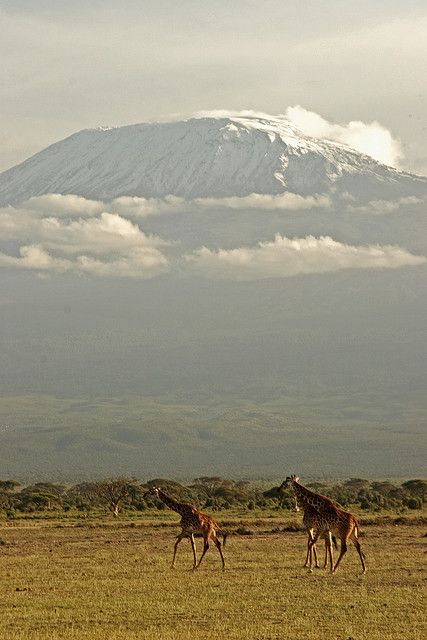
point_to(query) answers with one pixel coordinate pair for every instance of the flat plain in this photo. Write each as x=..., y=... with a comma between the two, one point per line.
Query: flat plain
x=104, y=578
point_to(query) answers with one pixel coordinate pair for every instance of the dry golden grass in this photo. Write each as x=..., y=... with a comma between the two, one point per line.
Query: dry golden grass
x=113, y=580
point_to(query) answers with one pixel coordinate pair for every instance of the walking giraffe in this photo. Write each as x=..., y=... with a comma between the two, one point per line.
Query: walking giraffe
x=310, y=522
x=192, y=521
x=329, y=519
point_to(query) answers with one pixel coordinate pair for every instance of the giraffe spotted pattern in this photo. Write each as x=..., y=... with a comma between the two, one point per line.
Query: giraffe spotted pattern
x=328, y=519
x=192, y=522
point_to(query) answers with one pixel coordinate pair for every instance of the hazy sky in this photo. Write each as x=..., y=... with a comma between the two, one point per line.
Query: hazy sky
x=70, y=65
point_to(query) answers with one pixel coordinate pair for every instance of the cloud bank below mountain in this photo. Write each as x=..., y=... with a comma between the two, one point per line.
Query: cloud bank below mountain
x=285, y=257
x=60, y=234
x=106, y=245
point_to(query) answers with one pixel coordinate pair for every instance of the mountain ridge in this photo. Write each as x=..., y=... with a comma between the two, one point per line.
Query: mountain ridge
x=215, y=156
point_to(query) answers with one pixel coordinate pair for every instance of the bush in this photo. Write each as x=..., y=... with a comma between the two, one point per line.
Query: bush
x=414, y=503
x=210, y=493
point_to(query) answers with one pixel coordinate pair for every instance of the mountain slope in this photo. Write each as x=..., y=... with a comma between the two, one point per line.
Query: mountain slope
x=187, y=373
x=202, y=157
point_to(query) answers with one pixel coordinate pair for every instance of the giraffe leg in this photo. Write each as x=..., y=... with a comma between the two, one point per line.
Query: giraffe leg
x=359, y=550
x=342, y=552
x=328, y=551
x=314, y=550
x=218, y=546
x=325, y=563
x=310, y=550
x=205, y=548
x=193, y=546
x=312, y=543
x=307, y=557
x=178, y=540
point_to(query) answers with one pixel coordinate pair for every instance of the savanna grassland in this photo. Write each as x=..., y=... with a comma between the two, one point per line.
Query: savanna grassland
x=110, y=578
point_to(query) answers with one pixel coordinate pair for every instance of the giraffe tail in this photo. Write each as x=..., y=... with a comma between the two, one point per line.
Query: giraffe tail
x=334, y=541
x=356, y=529
x=224, y=535
x=357, y=532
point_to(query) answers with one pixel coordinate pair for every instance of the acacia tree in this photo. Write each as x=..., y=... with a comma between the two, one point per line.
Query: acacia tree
x=7, y=489
x=42, y=495
x=115, y=491
x=417, y=488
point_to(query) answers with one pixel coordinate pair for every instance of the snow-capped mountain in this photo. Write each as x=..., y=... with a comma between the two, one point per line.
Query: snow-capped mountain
x=202, y=157
x=264, y=324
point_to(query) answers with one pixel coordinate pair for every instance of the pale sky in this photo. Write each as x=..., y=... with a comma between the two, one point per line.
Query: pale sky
x=71, y=65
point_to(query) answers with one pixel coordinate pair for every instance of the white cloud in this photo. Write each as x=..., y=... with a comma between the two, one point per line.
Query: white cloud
x=137, y=207
x=370, y=138
x=285, y=201
x=59, y=205
x=226, y=113
x=102, y=242
x=102, y=245
x=72, y=219
x=36, y=258
x=14, y=223
x=54, y=206
x=139, y=263
x=384, y=207
x=59, y=234
x=285, y=257
x=105, y=234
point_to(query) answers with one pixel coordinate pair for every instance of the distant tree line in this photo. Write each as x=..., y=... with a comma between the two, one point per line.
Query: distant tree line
x=125, y=493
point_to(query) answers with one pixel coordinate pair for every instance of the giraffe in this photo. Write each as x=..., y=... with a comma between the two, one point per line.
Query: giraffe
x=192, y=522
x=329, y=519
x=310, y=522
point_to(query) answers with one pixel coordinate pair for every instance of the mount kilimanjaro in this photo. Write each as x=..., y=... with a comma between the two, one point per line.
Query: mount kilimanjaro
x=203, y=157
x=267, y=332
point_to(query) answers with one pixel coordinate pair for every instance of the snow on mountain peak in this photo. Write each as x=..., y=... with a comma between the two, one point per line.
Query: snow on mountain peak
x=213, y=154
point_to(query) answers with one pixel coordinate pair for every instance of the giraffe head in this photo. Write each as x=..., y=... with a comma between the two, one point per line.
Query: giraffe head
x=152, y=491
x=289, y=482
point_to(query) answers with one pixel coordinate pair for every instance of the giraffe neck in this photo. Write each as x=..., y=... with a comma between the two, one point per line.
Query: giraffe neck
x=309, y=498
x=170, y=502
